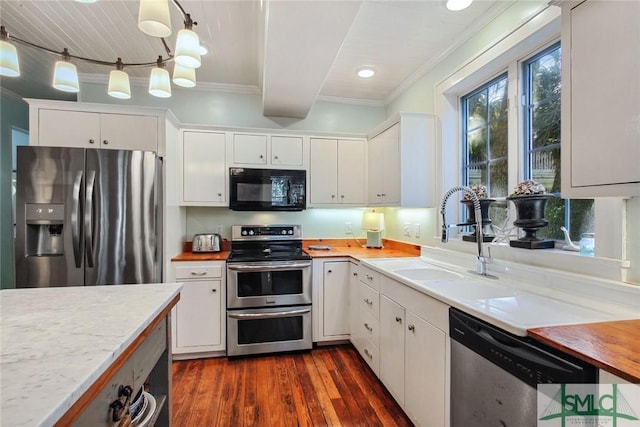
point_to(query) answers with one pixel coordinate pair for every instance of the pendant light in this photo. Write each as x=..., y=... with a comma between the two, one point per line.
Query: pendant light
x=65, y=75
x=9, y=65
x=119, y=82
x=159, y=84
x=183, y=76
x=154, y=18
x=188, y=45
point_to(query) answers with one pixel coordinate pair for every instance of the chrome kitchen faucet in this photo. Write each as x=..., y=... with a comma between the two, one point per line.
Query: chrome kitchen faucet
x=482, y=261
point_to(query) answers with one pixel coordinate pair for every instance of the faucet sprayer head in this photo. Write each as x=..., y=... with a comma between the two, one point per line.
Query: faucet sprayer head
x=445, y=234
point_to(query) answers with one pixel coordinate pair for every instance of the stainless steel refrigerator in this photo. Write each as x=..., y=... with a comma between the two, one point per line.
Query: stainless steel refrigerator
x=87, y=217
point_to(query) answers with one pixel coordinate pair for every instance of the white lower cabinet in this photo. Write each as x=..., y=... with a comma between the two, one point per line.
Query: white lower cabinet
x=198, y=320
x=364, y=308
x=414, y=352
x=330, y=299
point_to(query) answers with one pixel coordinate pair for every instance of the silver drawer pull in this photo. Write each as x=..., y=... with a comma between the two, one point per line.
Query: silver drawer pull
x=198, y=273
x=368, y=301
x=412, y=328
x=398, y=319
x=369, y=328
x=369, y=355
x=368, y=277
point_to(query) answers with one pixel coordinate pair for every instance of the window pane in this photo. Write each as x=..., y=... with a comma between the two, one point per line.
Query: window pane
x=581, y=217
x=498, y=100
x=545, y=73
x=498, y=184
x=477, y=174
x=554, y=213
x=545, y=168
x=477, y=111
x=546, y=124
x=477, y=141
x=498, y=139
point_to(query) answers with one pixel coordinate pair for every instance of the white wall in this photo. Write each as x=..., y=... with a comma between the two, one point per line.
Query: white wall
x=219, y=108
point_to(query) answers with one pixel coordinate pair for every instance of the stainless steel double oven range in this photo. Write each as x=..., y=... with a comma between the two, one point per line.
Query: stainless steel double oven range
x=268, y=290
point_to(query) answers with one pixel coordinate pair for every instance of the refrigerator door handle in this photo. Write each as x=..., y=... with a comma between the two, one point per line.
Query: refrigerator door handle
x=88, y=217
x=75, y=219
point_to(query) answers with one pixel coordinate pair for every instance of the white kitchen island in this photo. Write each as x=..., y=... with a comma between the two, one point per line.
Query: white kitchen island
x=65, y=352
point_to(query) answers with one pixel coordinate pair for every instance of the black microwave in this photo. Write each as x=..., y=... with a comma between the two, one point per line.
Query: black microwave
x=267, y=189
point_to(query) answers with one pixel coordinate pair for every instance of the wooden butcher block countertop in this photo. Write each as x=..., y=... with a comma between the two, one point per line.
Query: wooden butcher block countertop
x=339, y=248
x=612, y=346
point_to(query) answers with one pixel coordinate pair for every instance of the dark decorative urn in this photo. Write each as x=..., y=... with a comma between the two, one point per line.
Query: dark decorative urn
x=530, y=218
x=487, y=229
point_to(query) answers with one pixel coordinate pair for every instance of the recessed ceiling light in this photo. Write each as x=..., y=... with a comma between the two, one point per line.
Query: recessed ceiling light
x=203, y=49
x=456, y=5
x=366, y=72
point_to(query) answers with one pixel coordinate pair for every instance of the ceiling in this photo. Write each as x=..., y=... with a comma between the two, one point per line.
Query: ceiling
x=290, y=51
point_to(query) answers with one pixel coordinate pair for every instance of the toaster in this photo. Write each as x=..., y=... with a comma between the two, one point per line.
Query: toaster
x=207, y=242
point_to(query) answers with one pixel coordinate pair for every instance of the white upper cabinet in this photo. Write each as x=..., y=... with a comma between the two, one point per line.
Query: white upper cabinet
x=337, y=172
x=600, y=99
x=204, y=175
x=401, y=162
x=270, y=151
x=71, y=124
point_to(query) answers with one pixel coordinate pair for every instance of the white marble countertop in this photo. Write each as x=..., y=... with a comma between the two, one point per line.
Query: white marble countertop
x=521, y=298
x=55, y=343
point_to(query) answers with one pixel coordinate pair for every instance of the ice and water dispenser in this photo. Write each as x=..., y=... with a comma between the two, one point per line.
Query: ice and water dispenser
x=44, y=224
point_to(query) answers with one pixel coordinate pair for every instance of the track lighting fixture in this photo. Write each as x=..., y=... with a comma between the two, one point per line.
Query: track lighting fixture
x=153, y=19
x=119, y=82
x=8, y=56
x=65, y=75
x=159, y=84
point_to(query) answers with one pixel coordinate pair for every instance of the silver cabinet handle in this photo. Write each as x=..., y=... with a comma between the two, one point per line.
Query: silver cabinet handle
x=329, y=271
x=369, y=355
x=398, y=319
x=412, y=327
x=253, y=316
x=368, y=328
x=368, y=277
x=105, y=142
x=355, y=274
x=214, y=290
x=219, y=194
x=92, y=141
x=275, y=157
x=261, y=156
x=368, y=301
x=88, y=216
x=342, y=196
x=199, y=273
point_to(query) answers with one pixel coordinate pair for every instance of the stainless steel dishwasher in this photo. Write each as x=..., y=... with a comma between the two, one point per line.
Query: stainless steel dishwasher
x=494, y=374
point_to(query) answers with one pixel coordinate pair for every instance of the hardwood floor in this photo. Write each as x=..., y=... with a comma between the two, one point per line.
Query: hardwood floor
x=328, y=386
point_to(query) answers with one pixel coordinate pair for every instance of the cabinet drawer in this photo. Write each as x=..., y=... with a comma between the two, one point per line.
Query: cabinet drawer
x=194, y=271
x=368, y=327
x=368, y=300
x=370, y=277
x=369, y=353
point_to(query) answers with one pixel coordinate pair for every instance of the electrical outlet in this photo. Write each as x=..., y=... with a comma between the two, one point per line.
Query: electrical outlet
x=348, y=229
x=416, y=230
x=407, y=229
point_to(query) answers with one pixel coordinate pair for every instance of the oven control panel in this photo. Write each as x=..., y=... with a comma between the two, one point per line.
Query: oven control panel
x=266, y=232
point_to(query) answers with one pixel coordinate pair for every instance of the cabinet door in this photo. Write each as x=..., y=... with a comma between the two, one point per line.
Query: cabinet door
x=603, y=65
x=60, y=128
x=392, y=336
x=425, y=365
x=354, y=312
x=323, y=171
x=390, y=165
x=250, y=149
x=352, y=155
x=128, y=132
x=204, y=176
x=198, y=314
x=336, y=298
x=286, y=150
x=374, y=171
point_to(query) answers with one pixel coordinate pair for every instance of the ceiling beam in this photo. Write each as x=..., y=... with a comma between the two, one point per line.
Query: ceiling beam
x=302, y=40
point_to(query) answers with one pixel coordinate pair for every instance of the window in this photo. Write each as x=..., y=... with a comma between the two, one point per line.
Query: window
x=485, y=141
x=541, y=126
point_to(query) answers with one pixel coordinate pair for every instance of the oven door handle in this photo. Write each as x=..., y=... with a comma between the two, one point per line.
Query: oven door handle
x=254, y=316
x=263, y=267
